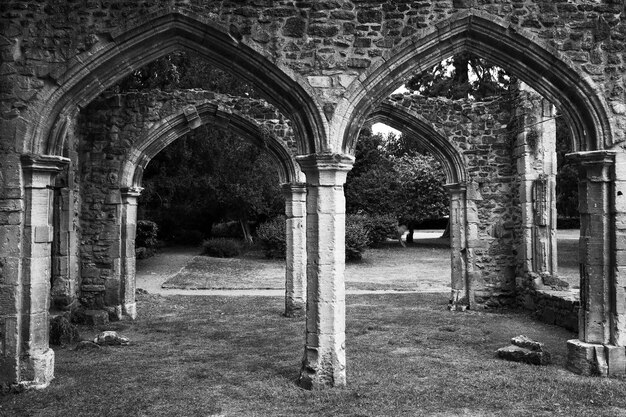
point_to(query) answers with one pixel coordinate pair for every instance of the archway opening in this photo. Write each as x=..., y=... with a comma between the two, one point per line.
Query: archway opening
x=396, y=193
x=120, y=132
x=510, y=221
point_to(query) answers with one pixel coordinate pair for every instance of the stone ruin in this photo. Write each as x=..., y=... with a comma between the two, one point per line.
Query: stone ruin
x=71, y=164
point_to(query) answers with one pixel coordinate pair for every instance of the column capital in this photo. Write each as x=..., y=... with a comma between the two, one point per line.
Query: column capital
x=603, y=157
x=326, y=169
x=290, y=189
x=457, y=187
x=40, y=169
x=130, y=191
x=595, y=164
x=51, y=163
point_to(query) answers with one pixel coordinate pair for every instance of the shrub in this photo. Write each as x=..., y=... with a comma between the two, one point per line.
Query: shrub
x=272, y=236
x=222, y=248
x=356, y=237
x=230, y=229
x=146, y=234
x=379, y=228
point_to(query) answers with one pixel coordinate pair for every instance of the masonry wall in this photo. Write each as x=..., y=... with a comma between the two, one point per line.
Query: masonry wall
x=480, y=132
x=106, y=131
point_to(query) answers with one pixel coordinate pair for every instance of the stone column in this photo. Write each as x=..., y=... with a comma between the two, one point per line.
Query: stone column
x=324, y=362
x=600, y=345
x=36, y=357
x=127, y=249
x=64, y=259
x=535, y=151
x=295, y=229
x=460, y=296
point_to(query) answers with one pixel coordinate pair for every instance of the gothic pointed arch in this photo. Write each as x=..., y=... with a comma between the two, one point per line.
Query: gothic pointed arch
x=163, y=133
x=520, y=52
x=395, y=116
x=154, y=36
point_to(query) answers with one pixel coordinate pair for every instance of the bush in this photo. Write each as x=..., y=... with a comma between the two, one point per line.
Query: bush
x=222, y=248
x=272, y=236
x=146, y=236
x=356, y=237
x=230, y=229
x=379, y=228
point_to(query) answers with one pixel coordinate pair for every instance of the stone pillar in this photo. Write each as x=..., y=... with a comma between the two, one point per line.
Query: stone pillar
x=324, y=362
x=460, y=296
x=36, y=357
x=473, y=197
x=600, y=345
x=64, y=259
x=127, y=249
x=535, y=151
x=295, y=229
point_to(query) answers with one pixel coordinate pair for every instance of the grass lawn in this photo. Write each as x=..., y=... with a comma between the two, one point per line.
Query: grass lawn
x=418, y=267
x=237, y=356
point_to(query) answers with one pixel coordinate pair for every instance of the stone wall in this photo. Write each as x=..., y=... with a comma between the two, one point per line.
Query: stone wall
x=480, y=133
x=325, y=64
x=106, y=131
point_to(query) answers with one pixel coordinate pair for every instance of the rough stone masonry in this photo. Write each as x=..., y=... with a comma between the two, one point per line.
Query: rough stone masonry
x=326, y=66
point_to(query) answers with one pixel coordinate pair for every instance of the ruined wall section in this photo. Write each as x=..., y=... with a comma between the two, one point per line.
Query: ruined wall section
x=480, y=132
x=310, y=36
x=106, y=131
x=332, y=41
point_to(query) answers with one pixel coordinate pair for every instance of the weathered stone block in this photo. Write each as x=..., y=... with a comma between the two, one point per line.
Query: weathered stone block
x=520, y=354
x=616, y=358
x=581, y=358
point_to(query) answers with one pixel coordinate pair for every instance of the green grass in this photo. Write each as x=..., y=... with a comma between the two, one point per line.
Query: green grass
x=406, y=356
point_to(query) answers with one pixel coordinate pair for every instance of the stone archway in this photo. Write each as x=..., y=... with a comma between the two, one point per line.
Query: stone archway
x=44, y=128
x=111, y=274
x=152, y=37
x=543, y=68
x=327, y=69
x=581, y=102
x=454, y=166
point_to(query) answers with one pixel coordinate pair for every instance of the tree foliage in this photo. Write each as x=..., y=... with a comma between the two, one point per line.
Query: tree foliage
x=181, y=70
x=210, y=176
x=462, y=76
x=389, y=178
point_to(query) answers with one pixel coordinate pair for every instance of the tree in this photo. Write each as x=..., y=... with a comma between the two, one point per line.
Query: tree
x=422, y=195
x=389, y=178
x=371, y=186
x=462, y=76
x=209, y=176
x=180, y=70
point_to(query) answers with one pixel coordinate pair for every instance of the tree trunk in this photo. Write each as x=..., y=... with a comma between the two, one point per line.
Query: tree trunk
x=409, y=236
x=245, y=228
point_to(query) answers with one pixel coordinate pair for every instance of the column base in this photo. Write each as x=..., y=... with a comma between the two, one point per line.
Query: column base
x=38, y=369
x=592, y=359
x=322, y=372
x=130, y=310
x=458, y=301
x=294, y=308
